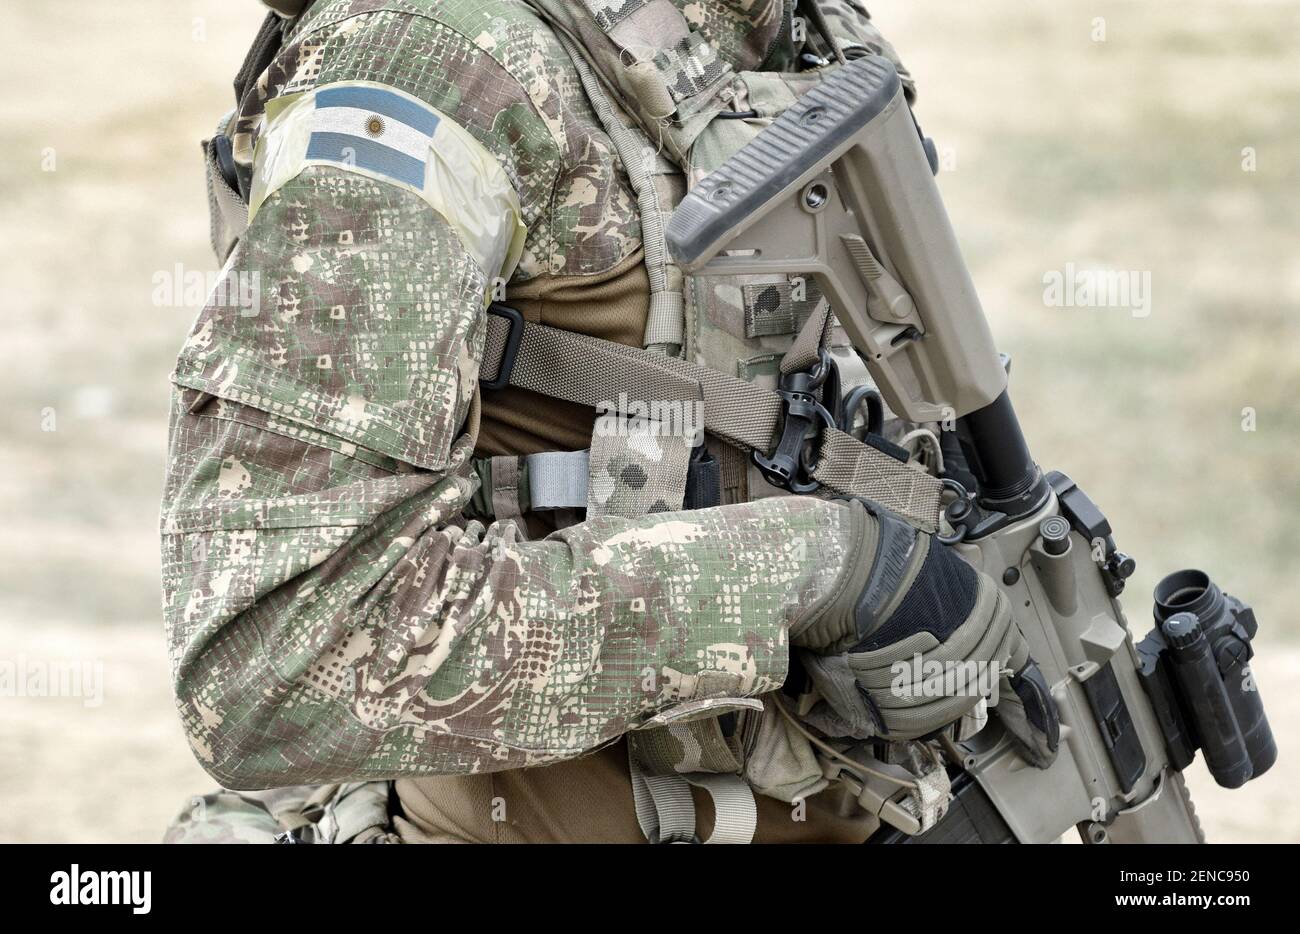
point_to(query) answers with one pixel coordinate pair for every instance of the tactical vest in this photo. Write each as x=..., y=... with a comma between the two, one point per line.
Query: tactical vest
x=744, y=349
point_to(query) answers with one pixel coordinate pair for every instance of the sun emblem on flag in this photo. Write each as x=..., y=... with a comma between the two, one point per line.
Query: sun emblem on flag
x=375, y=130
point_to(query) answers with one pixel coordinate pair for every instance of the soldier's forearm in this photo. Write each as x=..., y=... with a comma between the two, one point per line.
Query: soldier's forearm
x=309, y=654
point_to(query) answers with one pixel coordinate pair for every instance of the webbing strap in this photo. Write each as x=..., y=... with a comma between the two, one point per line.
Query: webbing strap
x=813, y=336
x=665, y=809
x=665, y=322
x=602, y=374
x=260, y=54
x=558, y=479
x=505, y=488
x=512, y=486
x=735, y=813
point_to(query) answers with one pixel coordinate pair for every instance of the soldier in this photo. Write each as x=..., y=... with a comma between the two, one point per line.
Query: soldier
x=360, y=584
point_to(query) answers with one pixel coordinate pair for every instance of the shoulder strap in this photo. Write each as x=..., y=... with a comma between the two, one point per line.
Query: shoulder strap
x=284, y=15
x=227, y=191
x=645, y=167
x=260, y=54
x=660, y=70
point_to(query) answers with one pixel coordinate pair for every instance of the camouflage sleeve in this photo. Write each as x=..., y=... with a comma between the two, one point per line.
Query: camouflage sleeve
x=330, y=614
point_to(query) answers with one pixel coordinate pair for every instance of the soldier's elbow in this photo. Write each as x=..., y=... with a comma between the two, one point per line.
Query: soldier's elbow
x=228, y=723
x=243, y=760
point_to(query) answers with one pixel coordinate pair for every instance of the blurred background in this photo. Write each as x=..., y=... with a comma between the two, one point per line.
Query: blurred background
x=1152, y=138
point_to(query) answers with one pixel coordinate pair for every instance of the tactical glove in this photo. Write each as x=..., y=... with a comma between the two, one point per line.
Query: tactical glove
x=913, y=639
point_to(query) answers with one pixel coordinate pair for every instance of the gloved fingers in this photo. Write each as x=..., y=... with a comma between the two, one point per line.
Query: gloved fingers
x=845, y=710
x=934, y=637
x=917, y=719
x=908, y=708
x=1029, y=713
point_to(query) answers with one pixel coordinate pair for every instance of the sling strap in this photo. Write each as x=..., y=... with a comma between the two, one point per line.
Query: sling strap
x=227, y=190
x=613, y=377
x=261, y=53
x=283, y=16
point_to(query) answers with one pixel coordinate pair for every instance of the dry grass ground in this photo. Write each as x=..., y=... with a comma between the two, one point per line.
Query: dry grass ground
x=1123, y=154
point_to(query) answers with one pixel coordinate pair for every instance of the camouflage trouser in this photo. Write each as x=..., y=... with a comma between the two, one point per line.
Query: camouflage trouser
x=352, y=813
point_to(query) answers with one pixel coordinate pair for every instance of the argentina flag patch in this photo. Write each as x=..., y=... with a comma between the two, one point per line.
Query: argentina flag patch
x=373, y=129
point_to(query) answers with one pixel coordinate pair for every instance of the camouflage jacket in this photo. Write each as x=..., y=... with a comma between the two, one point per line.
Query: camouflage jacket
x=332, y=614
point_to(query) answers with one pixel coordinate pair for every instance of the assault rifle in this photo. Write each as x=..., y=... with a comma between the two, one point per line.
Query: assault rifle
x=841, y=187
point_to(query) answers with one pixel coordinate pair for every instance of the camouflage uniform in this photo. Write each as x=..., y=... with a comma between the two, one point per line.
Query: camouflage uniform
x=332, y=613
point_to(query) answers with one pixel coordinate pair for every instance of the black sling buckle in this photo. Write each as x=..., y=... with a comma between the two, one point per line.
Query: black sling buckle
x=224, y=153
x=805, y=417
x=511, y=350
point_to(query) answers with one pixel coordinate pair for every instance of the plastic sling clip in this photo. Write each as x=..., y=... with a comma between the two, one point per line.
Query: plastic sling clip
x=224, y=153
x=703, y=479
x=788, y=465
x=875, y=411
x=511, y=350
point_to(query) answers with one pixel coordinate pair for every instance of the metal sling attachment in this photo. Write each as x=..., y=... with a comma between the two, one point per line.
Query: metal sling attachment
x=789, y=466
x=959, y=512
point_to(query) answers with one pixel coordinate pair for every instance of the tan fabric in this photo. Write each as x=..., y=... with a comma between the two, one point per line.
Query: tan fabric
x=588, y=800
x=611, y=306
